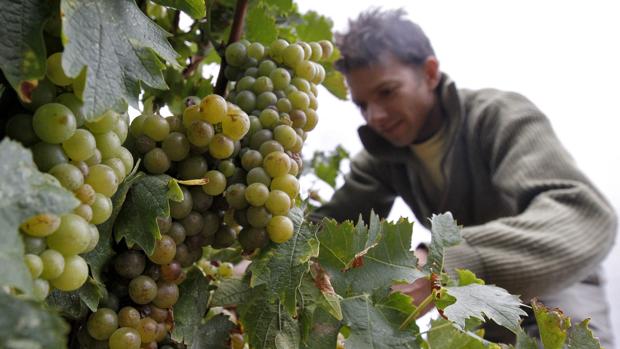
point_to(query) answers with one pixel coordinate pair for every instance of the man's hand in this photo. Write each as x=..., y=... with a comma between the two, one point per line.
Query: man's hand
x=420, y=289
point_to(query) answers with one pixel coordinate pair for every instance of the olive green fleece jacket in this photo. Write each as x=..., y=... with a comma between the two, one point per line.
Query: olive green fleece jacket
x=533, y=223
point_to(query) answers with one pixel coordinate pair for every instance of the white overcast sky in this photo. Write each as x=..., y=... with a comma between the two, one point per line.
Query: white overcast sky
x=563, y=55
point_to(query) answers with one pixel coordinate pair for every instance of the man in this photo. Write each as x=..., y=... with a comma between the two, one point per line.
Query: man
x=533, y=223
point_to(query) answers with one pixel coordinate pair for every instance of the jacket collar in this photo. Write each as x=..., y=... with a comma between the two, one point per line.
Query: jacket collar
x=452, y=105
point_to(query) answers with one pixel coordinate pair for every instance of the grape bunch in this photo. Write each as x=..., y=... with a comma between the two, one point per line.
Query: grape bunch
x=247, y=147
x=85, y=157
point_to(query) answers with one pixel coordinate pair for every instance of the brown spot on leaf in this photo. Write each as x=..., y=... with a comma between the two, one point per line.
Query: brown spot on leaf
x=25, y=90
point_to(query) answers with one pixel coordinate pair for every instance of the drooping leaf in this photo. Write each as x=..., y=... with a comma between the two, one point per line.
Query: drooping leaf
x=260, y=25
x=581, y=337
x=267, y=324
x=553, y=325
x=24, y=192
x=445, y=233
x=326, y=165
x=492, y=302
x=322, y=329
x=27, y=324
x=147, y=199
x=103, y=252
x=314, y=27
x=124, y=54
x=375, y=325
x=75, y=304
x=230, y=292
x=524, y=341
x=334, y=83
x=358, y=263
x=191, y=306
x=444, y=335
x=22, y=50
x=214, y=334
x=194, y=8
x=316, y=289
x=282, y=266
x=283, y=5
x=467, y=277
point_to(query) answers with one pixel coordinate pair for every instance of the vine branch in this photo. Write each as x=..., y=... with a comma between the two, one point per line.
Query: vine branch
x=235, y=33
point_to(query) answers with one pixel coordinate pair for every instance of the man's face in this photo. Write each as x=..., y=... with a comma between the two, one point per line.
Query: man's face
x=395, y=99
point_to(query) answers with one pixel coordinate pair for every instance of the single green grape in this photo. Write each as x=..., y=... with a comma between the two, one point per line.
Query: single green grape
x=235, y=196
x=285, y=135
x=266, y=67
x=103, y=179
x=86, y=194
x=256, y=194
x=125, y=338
x=164, y=251
x=221, y=147
x=286, y=183
x=252, y=238
x=256, y=50
x=200, y=133
x=84, y=211
x=34, y=264
x=40, y=289
x=276, y=49
x=43, y=93
x=103, y=123
x=121, y=128
x=142, y=289
x=258, y=175
x=68, y=175
x=108, y=144
x=55, y=72
x=265, y=100
x=156, y=127
x=258, y=217
x=235, y=125
x=72, y=236
x=312, y=118
x=117, y=166
x=147, y=328
x=317, y=51
x=41, y=225
x=94, y=238
x=278, y=202
x=280, y=229
x=34, y=245
x=262, y=84
x=176, y=146
x=129, y=317
x=80, y=146
x=192, y=168
x=54, y=123
x=276, y=163
x=167, y=294
x=213, y=108
x=73, y=276
x=246, y=100
x=53, y=264
x=156, y=161
x=102, y=323
x=328, y=49
x=293, y=55
x=125, y=155
x=236, y=54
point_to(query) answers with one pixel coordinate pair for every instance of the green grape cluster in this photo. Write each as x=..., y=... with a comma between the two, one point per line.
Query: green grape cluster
x=85, y=157
x=247, y=148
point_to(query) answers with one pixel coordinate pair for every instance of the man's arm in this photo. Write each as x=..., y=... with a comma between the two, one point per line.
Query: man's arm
x=366, y=188
x=565, y=227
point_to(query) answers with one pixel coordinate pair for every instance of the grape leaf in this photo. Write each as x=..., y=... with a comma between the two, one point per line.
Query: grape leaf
x=445, y=233
x=467, y=277
x=27, y=324
x=314, y=27
x=282, y=266
x=553, y=325
x=266, y=324
x=327, y=165
x=230, y=292
x=475, y=300
x=22, y=50
x=284, y=6
x=359, y=263
x=24, y=192
x=195, y=8
x=147, y=199
x=191, y=306
x=322, y=329
x=525, y=342
x=444, y=335
x=334, y=83
x=120, y=46
x=374, y=324
x=581, y=337
x=260, y=25
x=214, y=334
x=75, y=304
x=102, y=253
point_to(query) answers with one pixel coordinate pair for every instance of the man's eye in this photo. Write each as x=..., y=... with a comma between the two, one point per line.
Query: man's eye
x=385, y=92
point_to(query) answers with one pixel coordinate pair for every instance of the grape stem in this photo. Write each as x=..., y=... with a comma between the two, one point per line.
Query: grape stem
x=235, y=33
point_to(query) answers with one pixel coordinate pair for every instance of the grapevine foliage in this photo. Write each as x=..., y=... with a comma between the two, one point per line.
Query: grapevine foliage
x=328, y=284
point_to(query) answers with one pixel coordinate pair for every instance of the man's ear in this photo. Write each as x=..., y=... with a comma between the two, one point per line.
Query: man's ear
x=431, y=72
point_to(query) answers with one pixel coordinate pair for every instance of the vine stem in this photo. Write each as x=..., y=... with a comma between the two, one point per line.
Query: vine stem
x=417, y=311
x=235, y=33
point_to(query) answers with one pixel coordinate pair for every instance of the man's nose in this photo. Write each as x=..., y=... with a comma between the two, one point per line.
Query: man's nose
x=376, y=114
